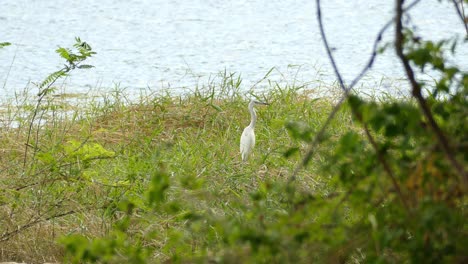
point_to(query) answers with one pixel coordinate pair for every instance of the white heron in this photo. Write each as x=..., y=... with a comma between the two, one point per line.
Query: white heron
x=247, y=141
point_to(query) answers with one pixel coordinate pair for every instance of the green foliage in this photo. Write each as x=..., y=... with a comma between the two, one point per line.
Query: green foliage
x=4, y=44
x=161, y=181
x=158, y=185
x=84, y=151
x=300, y=130
x=425, y=177
x=378, y=188
x=54, y=179
x=73, y=60
x=105, y=250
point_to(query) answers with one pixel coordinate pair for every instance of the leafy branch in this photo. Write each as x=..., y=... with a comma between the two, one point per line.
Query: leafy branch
x=416, y=92
x=367, y=67
x=4, y=44
x=346, y=90
x=73, y=61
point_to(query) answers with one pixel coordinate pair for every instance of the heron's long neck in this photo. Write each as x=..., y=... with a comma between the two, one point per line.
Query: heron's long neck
x=253, y=116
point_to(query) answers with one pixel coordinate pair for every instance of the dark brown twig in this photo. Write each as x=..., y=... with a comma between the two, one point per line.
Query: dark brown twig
x=416, y=92
x=321, y=132
x=377, y=40
x=37, y=220
x=367, y=67
x=317, y=138
x=385, y=165
x=346, y=90
x=461, y=14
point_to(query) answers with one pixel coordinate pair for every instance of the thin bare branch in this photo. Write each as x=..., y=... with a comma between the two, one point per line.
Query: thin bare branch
x=367, y=67
x=377, y=40
x=37, y=220
x=327, y=47
x=346, y=90
x=41, y=96
x=321, y=132
x=416, y=92
x=317, y=138
x=386, y=167
x=461, y=14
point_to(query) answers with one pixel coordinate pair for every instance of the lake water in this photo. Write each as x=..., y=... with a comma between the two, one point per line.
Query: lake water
x=174, y=43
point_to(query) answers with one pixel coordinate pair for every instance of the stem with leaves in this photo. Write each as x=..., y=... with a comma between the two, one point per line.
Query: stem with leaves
x=346, y=90
x=73, y=61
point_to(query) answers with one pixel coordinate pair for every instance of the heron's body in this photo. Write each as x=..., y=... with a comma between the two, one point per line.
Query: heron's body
x=247, y=141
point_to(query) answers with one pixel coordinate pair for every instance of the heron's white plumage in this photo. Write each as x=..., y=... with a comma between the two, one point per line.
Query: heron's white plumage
x=247, y=141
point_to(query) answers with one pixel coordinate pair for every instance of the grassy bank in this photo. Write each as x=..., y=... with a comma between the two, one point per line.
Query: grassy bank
x=163, y=166
x=159, y=178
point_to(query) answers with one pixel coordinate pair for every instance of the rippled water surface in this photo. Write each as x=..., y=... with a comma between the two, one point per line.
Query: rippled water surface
x=160, y=44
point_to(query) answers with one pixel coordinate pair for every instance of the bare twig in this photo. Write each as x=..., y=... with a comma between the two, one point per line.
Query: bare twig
x=63, y=176
x=41, y=95
x=461, y=14
x=327, y=47
x=386, y=166
x=11, y=66
x=317, y=138
x=346, y=90
x=39, y=219
x=321, y=132
x=367, y=67
x=377, y=40
x=416, y=92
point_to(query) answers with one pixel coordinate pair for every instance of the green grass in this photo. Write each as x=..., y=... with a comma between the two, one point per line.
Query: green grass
x=86, y=162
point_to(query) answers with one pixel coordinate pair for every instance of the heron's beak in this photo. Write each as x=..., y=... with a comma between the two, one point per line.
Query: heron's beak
x=261, y=103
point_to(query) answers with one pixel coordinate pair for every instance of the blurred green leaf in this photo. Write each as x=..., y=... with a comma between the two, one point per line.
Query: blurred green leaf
x=4, y=44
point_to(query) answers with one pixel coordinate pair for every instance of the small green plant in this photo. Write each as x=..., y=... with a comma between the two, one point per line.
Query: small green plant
x=4, y=44
x=48, y=185
x=73, y=61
